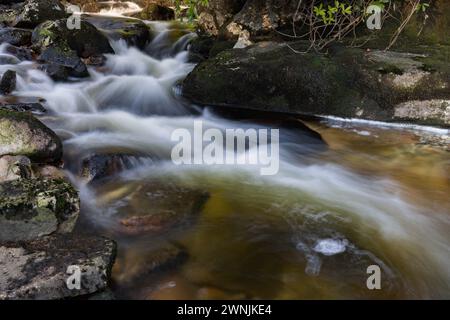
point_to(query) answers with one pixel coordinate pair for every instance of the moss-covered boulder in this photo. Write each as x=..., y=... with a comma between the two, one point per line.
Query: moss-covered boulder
x=133, y=31
x=40, y=269
x=22, y=134
x=345, y=82
x=35, y=12
x=32, y=208
x=86, y=41
x=15, y=36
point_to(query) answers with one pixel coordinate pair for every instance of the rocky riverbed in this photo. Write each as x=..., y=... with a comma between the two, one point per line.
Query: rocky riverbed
x=86, y=179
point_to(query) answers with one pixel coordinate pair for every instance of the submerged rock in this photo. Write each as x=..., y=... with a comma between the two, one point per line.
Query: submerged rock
x=39, y=269
x=22, y=134
x=8, y=82
x=21, y=53
x=347, y=82
x=134, y=32
x=33, y=208
x=8, y=15
x=15, y=36
x=14, y=168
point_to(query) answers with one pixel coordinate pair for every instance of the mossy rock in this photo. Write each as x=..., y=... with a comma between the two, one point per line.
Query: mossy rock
x=32, y=208
x=23, y=134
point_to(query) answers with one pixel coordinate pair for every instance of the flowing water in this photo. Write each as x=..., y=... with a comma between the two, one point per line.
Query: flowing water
x=376, y=195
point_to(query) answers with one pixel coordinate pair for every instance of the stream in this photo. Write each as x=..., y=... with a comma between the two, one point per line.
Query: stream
x=377, y=194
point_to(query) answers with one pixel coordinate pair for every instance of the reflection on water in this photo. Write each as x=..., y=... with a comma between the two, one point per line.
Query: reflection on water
x=375, y=195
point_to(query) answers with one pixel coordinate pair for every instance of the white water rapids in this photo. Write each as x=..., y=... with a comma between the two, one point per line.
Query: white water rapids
x=132, y=105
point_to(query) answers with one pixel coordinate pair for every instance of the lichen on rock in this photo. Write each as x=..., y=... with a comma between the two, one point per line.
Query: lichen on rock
x=32, y=208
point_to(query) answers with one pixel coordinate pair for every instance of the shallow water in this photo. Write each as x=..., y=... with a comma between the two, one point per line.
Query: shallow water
x=378, y=194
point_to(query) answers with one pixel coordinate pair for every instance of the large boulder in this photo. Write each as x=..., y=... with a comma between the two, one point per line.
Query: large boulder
x=22, y=134
x=347, y=82
x=15, y=36
x=35, y=12
x=133, y=31
x=32, y=208
x=86, y=41
x=40, y=269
